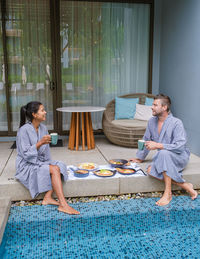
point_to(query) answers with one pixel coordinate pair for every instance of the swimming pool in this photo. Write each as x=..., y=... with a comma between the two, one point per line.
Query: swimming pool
x=109, y=229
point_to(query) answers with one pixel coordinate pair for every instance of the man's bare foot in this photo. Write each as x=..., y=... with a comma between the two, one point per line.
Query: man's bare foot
x=193, y=194
x=69, y=210
x=50, y=201
x=166, y=198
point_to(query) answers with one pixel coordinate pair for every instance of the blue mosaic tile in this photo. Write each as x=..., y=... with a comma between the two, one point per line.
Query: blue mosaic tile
x=115, y=229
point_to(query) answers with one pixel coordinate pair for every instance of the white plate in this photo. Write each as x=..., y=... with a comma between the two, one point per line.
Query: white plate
x=98, y=173
x=88, y=166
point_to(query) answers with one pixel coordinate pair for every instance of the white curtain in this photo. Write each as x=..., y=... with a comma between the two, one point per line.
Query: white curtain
x=3, y=111
x=105, y=53
x=28, y=42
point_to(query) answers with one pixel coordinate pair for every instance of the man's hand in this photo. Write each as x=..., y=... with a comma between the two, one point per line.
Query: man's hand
x=135, y=160
x=152, y=145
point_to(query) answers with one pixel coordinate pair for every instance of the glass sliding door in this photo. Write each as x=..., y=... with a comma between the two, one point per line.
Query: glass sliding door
x=3, y=110
x=71, y=53
x=104, y=52
x=28, y=42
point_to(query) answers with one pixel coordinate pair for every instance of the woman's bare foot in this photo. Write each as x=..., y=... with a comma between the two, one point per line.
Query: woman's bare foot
x=193, y=194
x=166, y=198
x=50, y=201
x=67, y=209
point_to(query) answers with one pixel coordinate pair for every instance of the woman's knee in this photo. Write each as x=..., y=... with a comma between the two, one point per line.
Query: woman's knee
x=54, y=169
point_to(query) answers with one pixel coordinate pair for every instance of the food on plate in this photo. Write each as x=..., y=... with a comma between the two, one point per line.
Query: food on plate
x=116, y=162
x=127, y=164
x=82, y=171
x=104, y=172
x=125, y=171
x=88, y=166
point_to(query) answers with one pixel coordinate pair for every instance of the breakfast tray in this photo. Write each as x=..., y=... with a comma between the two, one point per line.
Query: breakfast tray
x=139, y=172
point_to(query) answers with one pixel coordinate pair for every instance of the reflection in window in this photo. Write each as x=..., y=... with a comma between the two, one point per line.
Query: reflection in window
x=29, y=55
x=105, y=52
x=3, y=111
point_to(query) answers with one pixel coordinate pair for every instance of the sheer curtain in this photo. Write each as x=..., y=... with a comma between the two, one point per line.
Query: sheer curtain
x=105, y=52
x=28, y=44
x=3, y=111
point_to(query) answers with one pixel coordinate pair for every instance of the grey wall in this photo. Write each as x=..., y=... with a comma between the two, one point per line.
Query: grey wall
x=180, y=63
x=156, y=46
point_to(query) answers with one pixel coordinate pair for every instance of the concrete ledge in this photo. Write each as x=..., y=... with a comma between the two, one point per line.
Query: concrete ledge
x=144, y=184
x=100, y=186
x=139, y=184
x=91, y=187
x=15, y=190
x=76, y=188
x=5, y=204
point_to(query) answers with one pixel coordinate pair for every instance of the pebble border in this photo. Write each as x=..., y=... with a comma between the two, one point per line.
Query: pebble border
x=103, y=198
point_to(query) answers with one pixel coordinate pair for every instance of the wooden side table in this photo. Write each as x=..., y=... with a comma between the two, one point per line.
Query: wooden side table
x=81, y=131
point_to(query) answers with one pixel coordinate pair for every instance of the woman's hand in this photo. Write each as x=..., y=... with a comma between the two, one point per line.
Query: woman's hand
x=152, y=145
x=46, y=139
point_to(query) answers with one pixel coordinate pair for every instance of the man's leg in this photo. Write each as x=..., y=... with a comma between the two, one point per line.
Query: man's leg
x=188, y=187
x=167, y=196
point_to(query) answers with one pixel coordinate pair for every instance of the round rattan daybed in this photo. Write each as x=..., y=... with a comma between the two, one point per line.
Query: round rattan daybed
x=124, y=132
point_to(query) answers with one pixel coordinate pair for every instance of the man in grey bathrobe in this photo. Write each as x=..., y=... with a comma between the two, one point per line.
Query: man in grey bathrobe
x=166, y=133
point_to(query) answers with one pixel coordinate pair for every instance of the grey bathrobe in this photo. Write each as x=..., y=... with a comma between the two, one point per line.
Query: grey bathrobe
x=32, y=165
x=175, y=155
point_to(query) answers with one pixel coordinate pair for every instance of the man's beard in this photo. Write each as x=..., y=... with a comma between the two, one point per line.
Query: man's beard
x=158, y=114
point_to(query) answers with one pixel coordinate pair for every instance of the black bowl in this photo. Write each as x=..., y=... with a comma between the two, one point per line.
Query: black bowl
x=118, y=162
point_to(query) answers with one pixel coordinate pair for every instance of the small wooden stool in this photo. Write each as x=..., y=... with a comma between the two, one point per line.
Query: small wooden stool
x=81, y=131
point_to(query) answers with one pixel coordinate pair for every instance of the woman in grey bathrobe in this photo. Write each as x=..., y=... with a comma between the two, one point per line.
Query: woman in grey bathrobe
x=34, y=167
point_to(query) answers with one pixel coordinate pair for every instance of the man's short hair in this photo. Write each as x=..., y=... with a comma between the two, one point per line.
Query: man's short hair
x=165, y=100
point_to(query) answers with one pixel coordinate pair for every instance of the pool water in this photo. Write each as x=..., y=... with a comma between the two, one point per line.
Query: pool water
x=135, y=228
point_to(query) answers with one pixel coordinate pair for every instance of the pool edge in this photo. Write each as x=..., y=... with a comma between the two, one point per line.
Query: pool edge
x=5, y=204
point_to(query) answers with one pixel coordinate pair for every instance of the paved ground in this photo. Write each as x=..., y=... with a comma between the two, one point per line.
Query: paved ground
x=10, y=189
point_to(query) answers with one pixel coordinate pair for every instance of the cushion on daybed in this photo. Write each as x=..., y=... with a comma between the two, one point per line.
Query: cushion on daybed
x=125, y=132
x=130, y=123
x=125, y=108
x=143, y=112
x=149, y=101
